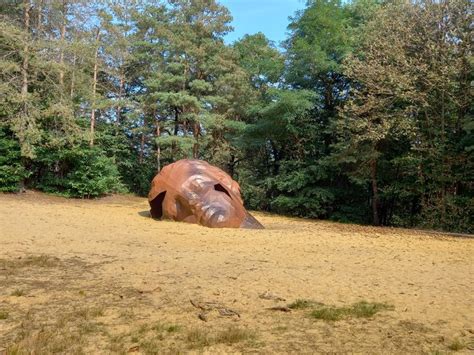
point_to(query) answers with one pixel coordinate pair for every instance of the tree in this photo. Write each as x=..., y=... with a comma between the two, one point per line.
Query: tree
x=193, y=83
x=407, y=80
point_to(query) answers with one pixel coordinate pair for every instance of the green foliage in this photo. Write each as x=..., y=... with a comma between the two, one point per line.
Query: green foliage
x=260, y=59
x=304, y=304
x=95, y=175
x=298, y=191
x=319, y=41
x=12, y=171
x=401, y=129
x=78, y=172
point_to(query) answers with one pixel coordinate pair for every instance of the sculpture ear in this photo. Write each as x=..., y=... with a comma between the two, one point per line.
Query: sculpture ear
x=219, y=187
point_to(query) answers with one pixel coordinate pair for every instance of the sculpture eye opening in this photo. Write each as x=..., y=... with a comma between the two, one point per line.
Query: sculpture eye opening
x=157, y=206
x=219, y=187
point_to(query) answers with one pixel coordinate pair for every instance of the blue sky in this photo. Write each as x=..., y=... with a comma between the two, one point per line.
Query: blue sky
x=267, y=16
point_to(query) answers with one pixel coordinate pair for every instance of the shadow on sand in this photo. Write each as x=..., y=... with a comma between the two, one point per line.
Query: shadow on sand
x=145, y=214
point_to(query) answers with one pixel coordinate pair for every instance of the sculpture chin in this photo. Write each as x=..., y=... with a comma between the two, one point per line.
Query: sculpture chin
x=250, y=222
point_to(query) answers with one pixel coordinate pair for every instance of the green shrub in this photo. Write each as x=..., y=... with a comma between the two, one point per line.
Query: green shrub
x=12, y=172
x=361, y=309
x=78, y=172
x=95, y=175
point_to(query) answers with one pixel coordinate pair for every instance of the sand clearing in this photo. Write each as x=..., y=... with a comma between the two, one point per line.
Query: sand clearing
x=81, y=276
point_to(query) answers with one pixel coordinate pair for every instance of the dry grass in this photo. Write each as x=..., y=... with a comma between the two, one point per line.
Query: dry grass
x=67, y=333
x=18, y=292
x=233, y=335
x=149, y=338
x=200, y=338
x=456, y=345
x=36, y=261
x=155, y=338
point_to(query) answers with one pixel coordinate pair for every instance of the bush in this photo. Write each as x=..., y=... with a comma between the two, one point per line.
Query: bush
x=12, y=172
x=95, y=175
x=453, y=213
x=78, y=172
x=299, y=190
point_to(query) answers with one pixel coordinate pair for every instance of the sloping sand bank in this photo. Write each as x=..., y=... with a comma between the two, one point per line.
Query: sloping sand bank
x=81, y=276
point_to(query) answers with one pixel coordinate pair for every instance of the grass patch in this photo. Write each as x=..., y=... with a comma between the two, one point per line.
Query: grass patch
x=48, y=341
x=43, y=261
x=234, y=335
x=89, y=327
x=67, y=333
x=365, y=309
x=330, y=313
x=150, y=346
x=198, y=338
x=304, y=304
x=150, y=338
x=456, y=345
x=173, y=328
x=116, y=344
x=127, y=314
x=3, y=315
x=87, y=313
x=18, y=292
x=412, y=326
x=168, y=328
x=361, y=309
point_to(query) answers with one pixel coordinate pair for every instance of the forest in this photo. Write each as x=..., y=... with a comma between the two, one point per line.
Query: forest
x=363, y=114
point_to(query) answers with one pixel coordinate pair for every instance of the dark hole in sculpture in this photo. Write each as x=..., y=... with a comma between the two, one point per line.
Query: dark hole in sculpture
x=219, y=187
x=157, y=206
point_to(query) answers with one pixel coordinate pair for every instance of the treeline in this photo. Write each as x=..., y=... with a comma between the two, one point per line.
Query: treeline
x=364, y=116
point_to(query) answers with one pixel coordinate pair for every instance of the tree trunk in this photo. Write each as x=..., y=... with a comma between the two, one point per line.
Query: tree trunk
x=176, y=121
x=158, y=147
x=375, y=193
x=142, y=147
x=119, y=107
x=73, y=76
x=276, y=158
x=231, y=165
x=176, y=130
x=25, y=64
x=197, y=132
x=94, y=86
x=61, y=53
x=39, y=25
x=24, y=73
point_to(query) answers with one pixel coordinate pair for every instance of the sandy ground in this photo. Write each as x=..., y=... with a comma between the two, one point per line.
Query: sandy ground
x=100, y=276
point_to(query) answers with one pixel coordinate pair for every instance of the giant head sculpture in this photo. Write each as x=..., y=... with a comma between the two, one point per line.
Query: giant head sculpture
x=194, y=191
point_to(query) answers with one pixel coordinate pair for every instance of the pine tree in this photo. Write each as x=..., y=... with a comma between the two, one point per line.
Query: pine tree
x=193, y=80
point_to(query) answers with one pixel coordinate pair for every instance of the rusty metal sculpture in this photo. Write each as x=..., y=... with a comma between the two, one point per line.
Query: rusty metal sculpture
x=194, y=191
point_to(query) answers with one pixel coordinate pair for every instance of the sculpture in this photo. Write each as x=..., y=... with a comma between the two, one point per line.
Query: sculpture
x=194, y=191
